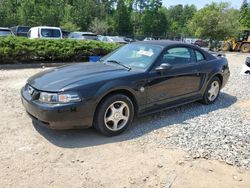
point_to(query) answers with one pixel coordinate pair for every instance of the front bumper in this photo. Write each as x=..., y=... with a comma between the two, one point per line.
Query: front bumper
x=59, y=116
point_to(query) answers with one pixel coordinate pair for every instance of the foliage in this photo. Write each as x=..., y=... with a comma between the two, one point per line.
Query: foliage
x=67, y=22
x=215, y=22
x=245, y=14
x=178, y=17
x=127, y=17
x=155, y=23
x=99, y=26
x=122, y=19
x=18, y=49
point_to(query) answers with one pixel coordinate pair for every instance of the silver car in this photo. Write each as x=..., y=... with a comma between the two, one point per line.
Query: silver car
x=4, y=32
x=83, y=36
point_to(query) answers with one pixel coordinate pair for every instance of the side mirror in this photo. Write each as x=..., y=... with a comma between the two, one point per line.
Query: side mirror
x=163, y=67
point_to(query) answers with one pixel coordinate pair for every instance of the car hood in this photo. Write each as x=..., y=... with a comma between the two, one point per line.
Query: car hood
x=56, y=79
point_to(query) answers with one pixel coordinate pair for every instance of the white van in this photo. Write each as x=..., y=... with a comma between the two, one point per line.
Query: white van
x=45, y=32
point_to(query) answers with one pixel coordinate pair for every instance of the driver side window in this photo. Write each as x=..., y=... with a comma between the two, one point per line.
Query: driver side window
x=177, y=56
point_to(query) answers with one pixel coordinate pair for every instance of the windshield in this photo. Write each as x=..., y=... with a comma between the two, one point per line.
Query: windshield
x=5, y=32
x=135, y=55
x=51, y=33
x=23, y=29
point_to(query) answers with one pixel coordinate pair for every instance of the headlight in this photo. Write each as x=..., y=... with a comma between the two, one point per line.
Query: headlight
x=48, y=97
x=68, y=97
x=59, y=98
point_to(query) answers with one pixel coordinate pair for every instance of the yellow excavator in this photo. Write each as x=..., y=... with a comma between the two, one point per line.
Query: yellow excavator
x=241, y=44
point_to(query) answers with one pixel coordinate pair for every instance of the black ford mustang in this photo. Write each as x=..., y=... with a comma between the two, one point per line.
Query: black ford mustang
x=136, y=79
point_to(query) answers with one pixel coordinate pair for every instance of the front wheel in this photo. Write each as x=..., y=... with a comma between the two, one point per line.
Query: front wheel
x=114, y=115
x=212, y=92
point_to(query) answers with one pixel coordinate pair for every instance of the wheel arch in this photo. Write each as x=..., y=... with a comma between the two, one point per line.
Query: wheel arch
x=245, y=42
x=125, y=92
x=219, y=76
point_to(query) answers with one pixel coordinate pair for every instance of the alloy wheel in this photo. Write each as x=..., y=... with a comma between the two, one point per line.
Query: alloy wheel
x=214, y=90
x=116, y=116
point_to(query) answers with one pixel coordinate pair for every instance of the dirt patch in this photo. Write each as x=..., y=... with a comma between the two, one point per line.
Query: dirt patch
x=246, y=106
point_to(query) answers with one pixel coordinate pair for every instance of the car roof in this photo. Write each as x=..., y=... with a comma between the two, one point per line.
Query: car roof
x=45, y=27
x=5, y=28
x=83, y=33
x=169, y=43
x=21, y=26
x=163, y=43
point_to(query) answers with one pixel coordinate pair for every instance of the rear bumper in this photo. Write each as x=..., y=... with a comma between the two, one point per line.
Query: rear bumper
x=58, y=116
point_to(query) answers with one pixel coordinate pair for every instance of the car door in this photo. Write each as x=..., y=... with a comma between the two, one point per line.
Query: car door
x=181, y=81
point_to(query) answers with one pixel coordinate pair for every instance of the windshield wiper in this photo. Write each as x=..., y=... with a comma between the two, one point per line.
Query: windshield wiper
x=117, y=62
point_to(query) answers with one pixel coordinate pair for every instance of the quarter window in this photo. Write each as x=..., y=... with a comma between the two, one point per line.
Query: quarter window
x=199, y=56
x=177, y=56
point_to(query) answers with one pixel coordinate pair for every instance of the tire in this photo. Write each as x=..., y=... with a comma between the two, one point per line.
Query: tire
x=122, y=109
x=245, y=48
x=226, y=46
x=209, y=98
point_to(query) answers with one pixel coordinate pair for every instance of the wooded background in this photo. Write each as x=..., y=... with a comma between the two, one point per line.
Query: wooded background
x=133, y=18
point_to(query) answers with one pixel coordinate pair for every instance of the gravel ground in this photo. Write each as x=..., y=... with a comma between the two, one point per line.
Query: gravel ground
x=170, y=148
x=220, y=131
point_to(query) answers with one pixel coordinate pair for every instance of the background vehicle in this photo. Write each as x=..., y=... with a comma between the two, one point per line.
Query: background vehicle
x=246, y=67
x=137, y=79
x=248, y=61
x=4, y=32
x=83, y=36
x=241, y=44
x=129, y=40
x=115, y=39
x=65, y=33
x=20, y=30
x=45, y=32
x=201, y=43
x=148, y=39
x=189, y=40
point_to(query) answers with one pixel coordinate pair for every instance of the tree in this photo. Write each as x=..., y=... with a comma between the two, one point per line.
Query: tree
x=8, y=12
x=154, y=24
x=245, y=14
x=99, y=26
x=215, y=22
x=122, y=21
x=83, y=13
x=178, y=17
x=34, y=13
x=67, y=22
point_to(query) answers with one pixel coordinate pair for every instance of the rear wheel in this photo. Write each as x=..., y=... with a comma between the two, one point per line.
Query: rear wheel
x=245, y=48
x=212, y=92
x=114, y=115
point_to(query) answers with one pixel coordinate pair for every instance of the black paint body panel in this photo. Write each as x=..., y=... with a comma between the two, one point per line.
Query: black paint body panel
x=151, y=91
